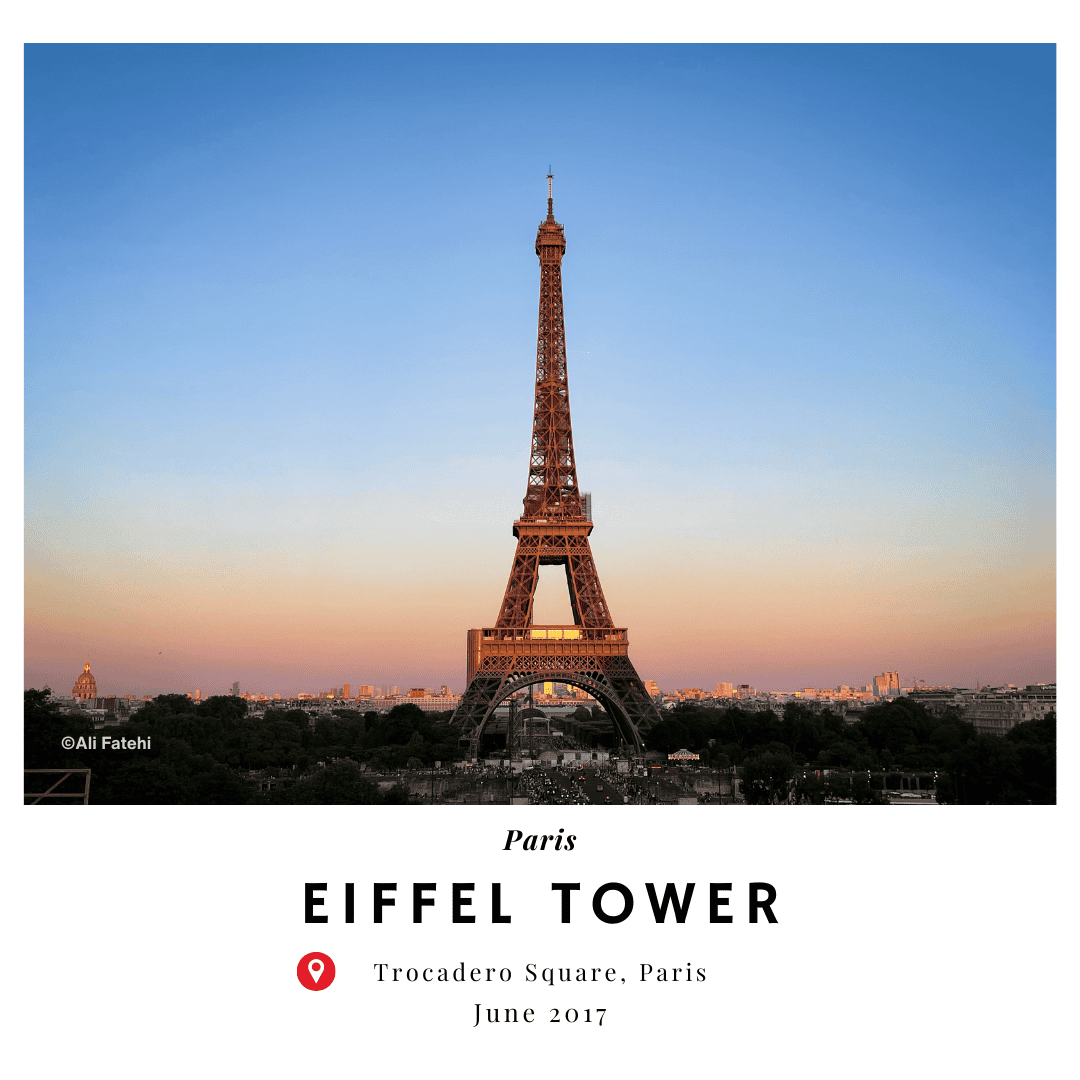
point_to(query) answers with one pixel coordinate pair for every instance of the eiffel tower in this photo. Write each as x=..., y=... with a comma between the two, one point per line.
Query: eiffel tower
x=553, y=530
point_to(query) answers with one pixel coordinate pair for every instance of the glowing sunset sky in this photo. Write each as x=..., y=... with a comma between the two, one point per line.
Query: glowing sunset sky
x=281, y=333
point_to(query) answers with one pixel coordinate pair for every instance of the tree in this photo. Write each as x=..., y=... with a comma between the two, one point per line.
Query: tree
x=397, y=727
x=339, y=783
x=766, y=777
x=297, y=717
x=895, y=725
x=179, y=703
x=862, y=792
x=44, y=728
x=1036, y=755
x=220, y=785
x=669, y=736
x=810, y=789
x=803, y=730
x=143, y=781
x=837, y=786
x=984, y=770
x=222, y=705
x=716, y=759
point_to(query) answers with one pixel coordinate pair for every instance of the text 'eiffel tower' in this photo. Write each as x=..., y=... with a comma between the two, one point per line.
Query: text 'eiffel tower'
x=553, y=531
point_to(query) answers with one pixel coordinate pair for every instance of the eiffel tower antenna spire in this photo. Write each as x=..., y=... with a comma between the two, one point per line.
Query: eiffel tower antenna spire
x=553, y=531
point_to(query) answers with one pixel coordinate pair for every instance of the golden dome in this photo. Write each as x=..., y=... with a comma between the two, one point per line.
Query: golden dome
x=85, y=685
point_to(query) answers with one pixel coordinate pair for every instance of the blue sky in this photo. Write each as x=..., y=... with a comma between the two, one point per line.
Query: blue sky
x=280, y=333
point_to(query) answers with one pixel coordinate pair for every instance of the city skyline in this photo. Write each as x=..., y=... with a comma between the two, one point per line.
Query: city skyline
x=280, y=311
x=343, y=690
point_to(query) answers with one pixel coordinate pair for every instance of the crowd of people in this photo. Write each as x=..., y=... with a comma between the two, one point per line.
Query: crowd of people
x=577, y=784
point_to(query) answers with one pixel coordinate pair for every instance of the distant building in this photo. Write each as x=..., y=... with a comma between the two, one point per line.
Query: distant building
x=937, y=699
x=586, y=505
x=651, y=688
x=235, y=691
x=85, y=688
x=346, y=691
x=424, y=699
x=745, y=690
x=725, y=690
x=840, y=693
x=989, y=711
x=887, y=684
x=997, y=712
x=366, y=691
x=690, y=693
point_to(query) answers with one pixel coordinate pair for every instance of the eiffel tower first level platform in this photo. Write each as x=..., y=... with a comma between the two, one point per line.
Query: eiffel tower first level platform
x=553, y=530
x=503, y=660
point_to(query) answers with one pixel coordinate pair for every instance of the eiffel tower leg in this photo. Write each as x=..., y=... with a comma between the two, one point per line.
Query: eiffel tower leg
x=476, y=706
x=633, y=697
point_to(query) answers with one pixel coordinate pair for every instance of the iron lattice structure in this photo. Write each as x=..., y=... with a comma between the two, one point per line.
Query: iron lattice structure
x=591, y=654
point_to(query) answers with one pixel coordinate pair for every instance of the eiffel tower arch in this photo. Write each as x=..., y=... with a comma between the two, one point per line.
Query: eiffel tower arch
x=553, y=530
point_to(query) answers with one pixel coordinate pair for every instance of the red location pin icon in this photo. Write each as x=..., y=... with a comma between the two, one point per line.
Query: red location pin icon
x=315, y=971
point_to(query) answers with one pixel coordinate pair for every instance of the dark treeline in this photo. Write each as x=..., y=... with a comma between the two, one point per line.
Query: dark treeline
x=202, y=753
x=898, y=735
